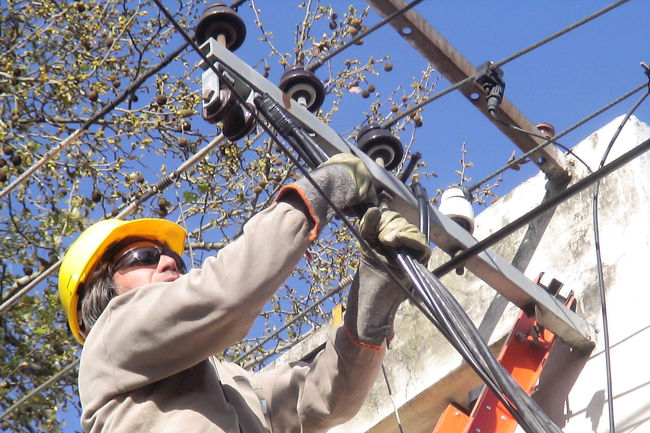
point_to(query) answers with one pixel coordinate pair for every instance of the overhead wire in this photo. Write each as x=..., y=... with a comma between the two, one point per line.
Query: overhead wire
x=156, y=188
x=321, y=60
x=553, y=140
x=342, y=284
x=599, y=264
x=464, y=335
x=560, y=33
x=51, y=153
x=563, y=195
x=452, y=89
x=168, y=180
x=53, y=379
x=392, y=399
x=393, y=120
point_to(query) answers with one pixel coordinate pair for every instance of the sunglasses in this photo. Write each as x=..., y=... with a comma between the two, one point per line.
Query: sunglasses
x=147, y=255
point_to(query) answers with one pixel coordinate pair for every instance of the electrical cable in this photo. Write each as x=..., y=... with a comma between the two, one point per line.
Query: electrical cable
x=454, y=323
x=599, y=267
x=560, y=33
x=168, y=180
x=343, y=283
x=18, y=403
x=563, y=195
x=392, y=400
x=321, y=60
x=82, y=129
x=158, y=187
x=392, y=121
x=553, y=139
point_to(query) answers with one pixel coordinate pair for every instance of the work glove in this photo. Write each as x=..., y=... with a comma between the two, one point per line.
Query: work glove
x=375, y=296
x=359, y=173
x=389, y=229
x=343, y=178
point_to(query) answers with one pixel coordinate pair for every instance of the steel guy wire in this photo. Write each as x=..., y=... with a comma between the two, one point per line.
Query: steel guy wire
x=321, y=60
x=18, y=403
x=343, y=283
x=393, y=120
x=289, y=155
x=599, y=267
x=554, y=139
x=82, y=129
x=158, y=187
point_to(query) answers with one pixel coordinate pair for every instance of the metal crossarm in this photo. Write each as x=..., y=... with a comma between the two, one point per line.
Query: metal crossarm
x=444, y=232
x=434, y=48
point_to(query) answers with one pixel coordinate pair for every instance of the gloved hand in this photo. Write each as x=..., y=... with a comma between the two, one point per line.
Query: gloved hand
x=390, y=229
x=359, y=173
x=343, y=178
x=374, y=296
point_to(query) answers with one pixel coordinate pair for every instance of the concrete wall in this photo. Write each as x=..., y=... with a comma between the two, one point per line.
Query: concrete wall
x=424, y=371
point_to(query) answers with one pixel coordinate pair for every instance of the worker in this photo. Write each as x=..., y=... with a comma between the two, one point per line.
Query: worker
x=149, y=328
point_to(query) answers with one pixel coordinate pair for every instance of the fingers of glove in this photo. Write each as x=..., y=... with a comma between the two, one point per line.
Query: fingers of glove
x=369, y=226
x=359, y=173
x=396, y=232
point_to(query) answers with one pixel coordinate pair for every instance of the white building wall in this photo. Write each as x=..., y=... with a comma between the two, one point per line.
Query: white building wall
x=424, y=371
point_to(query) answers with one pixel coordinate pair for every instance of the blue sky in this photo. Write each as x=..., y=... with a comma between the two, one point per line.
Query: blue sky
x=560, y=83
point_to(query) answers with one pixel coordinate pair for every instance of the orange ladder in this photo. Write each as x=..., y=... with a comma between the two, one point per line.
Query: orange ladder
x=523, y=357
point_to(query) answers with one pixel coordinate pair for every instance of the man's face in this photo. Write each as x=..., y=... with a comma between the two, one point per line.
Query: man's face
x=136, y=266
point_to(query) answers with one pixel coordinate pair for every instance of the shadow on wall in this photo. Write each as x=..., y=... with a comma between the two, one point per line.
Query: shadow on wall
x=527, y=247
x=560, y=373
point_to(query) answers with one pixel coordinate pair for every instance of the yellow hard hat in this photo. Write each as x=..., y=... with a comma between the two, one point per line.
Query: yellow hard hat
x=87, y=251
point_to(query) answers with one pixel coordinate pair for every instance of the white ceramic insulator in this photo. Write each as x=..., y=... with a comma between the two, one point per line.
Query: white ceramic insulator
x=456, y=206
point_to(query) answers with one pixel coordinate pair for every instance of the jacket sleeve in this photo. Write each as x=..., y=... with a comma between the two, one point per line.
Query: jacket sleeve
x=324, y=393
x=163, y=328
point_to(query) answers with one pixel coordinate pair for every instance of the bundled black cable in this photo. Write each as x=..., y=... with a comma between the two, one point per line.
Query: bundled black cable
x=457, y=327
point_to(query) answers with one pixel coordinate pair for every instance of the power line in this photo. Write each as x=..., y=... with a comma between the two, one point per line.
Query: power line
x=392, y=121
x=560, y=33
x=158, y=187
x=18, y=403
x=344, y=282
x=553, y=140
x=82, y=129
x=539, y=210
x=599, y=266
x=321, y=60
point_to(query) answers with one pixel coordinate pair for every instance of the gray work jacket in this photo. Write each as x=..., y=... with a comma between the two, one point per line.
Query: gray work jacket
x=145, y=364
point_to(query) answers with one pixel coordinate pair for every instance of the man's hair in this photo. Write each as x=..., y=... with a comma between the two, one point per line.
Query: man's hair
x=96, y=295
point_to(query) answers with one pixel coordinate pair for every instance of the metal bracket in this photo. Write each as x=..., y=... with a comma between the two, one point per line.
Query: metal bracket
x=444, y=232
